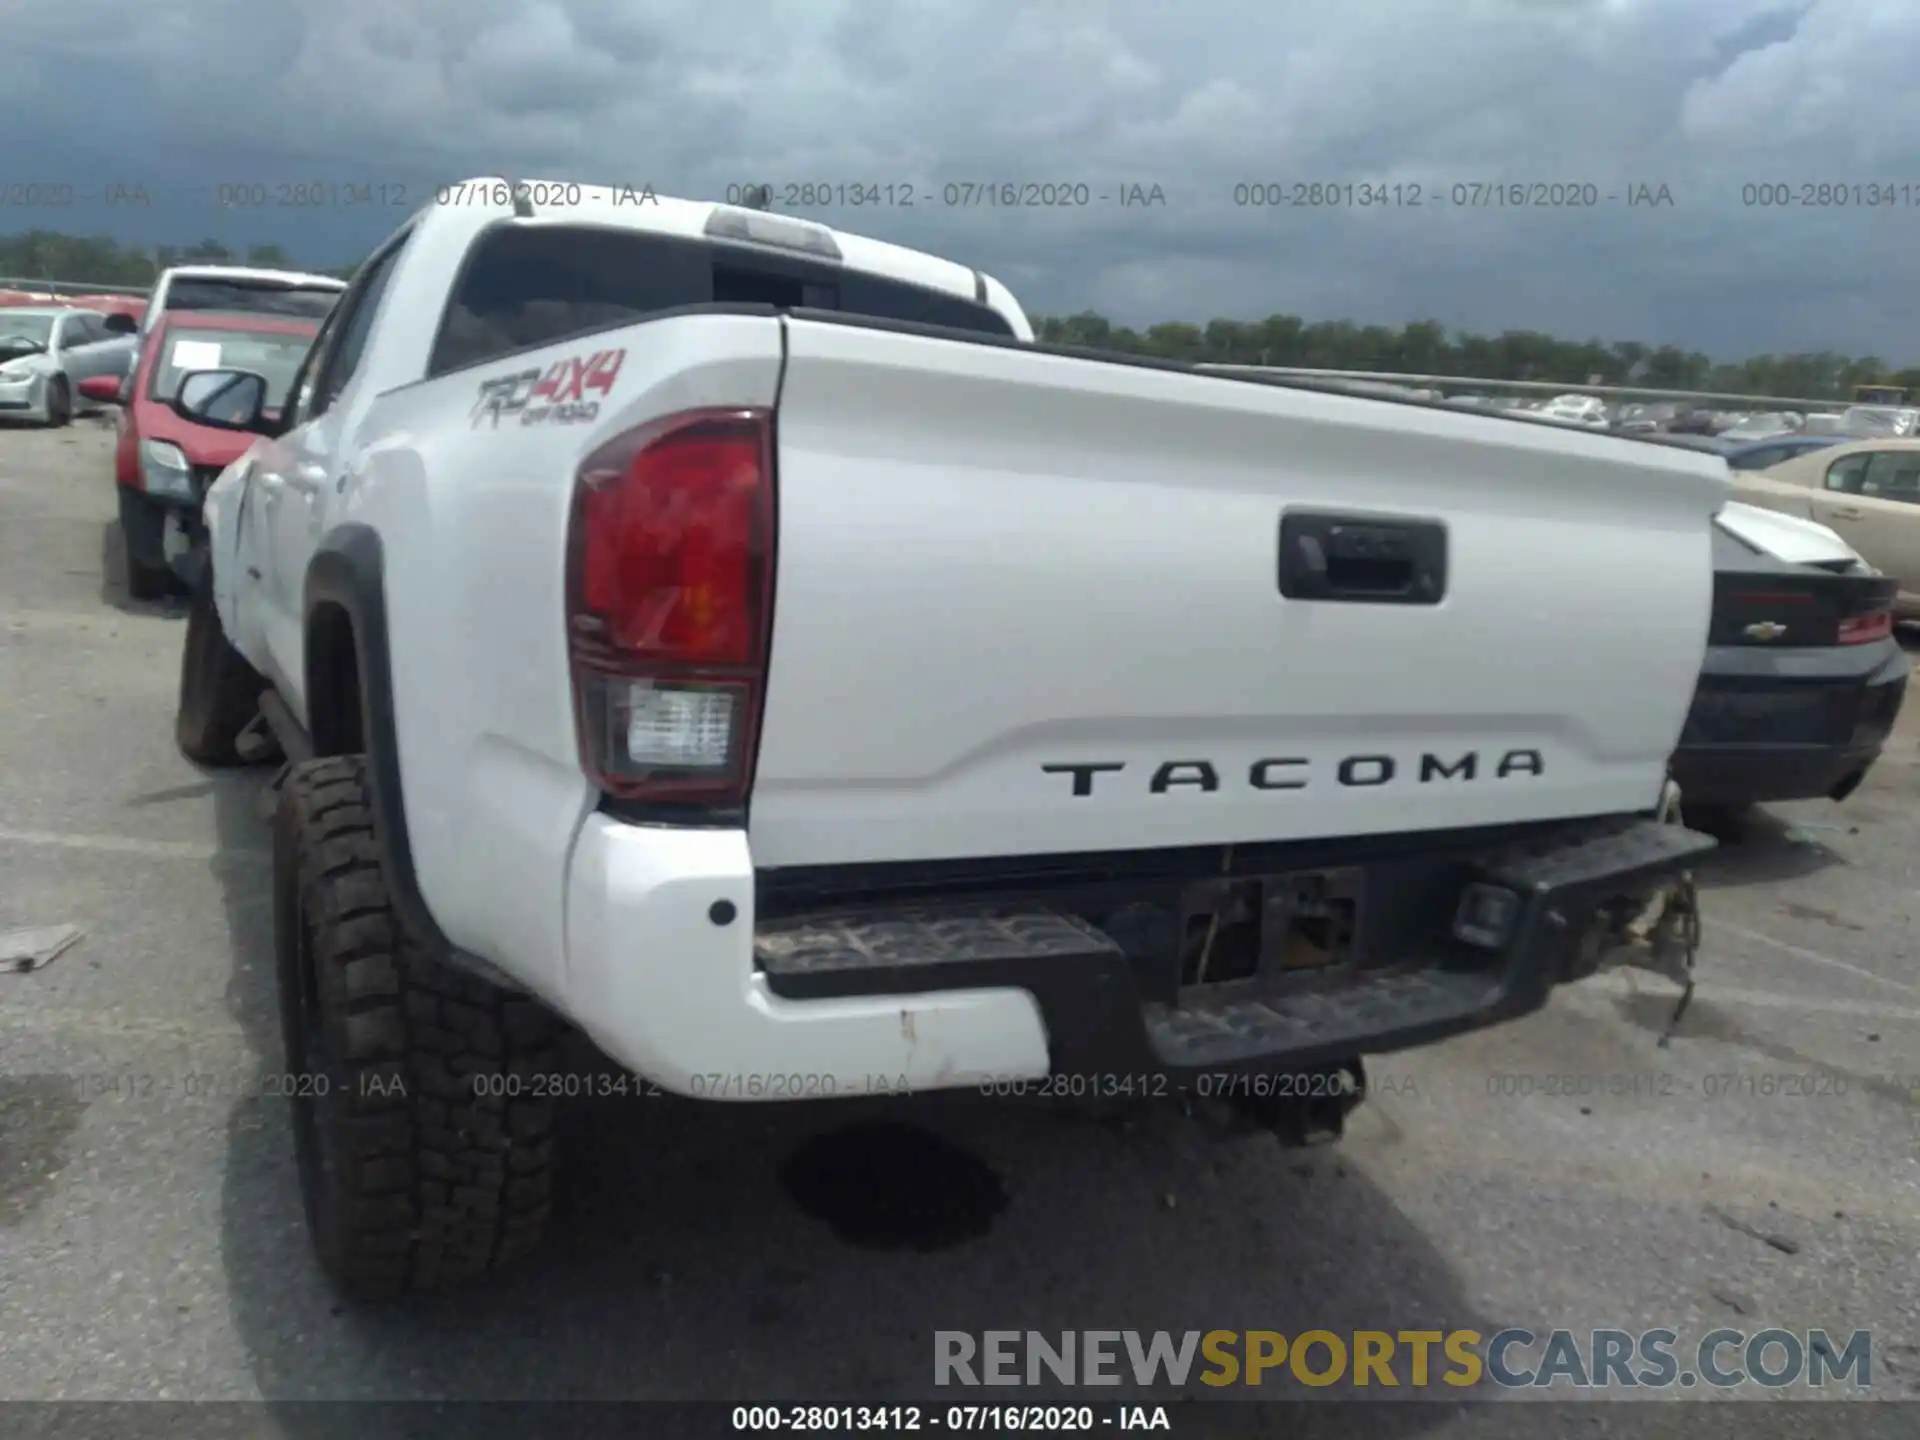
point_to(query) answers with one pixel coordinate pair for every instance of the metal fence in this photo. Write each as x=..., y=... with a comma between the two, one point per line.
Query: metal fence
x=69, y=287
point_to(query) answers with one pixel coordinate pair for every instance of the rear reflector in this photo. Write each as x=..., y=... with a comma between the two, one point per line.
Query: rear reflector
x=669, y=605
x=1859, y=629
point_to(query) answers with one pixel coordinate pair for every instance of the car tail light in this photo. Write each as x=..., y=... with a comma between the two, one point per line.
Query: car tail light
x=669, y=605
x=1859, y=629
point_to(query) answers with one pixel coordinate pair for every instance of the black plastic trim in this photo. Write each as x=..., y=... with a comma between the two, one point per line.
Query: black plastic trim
x=1361, y=558
x=1769, y=774
x=1099, y=1018
x=793, y=889
x=1876, y=674
x=349, y=570
x=1874, y=663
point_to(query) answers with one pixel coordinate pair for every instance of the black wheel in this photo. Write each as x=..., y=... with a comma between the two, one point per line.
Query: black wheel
x=219, y=691
x=142, y=523
x=417, y=1168
x=59, y=403
x=148, y=582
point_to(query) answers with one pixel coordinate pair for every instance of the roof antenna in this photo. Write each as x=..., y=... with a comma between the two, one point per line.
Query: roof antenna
x=522, y=200
x=756, y=197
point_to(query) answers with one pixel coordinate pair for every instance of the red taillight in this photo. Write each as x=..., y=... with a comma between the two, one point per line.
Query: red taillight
x=669, y=605
x=1859, y=629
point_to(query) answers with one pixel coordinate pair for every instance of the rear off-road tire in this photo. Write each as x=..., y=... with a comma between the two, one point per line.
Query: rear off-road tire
x=424, y=1158
x=219, y=691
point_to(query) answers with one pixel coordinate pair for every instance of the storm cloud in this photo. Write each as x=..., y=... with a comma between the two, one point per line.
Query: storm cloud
x=1706, y=98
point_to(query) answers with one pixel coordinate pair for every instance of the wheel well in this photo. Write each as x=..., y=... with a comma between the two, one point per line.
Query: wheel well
x=333, y=682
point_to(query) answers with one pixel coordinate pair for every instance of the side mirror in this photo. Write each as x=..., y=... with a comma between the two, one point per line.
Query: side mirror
x=119, y=322
x=103, y=388
x=223, y=399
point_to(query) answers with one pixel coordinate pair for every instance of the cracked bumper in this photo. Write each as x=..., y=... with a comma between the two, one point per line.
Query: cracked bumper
x=671, y=972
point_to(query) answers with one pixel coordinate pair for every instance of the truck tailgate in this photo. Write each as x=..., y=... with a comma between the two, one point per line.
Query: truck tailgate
x=1031, y=603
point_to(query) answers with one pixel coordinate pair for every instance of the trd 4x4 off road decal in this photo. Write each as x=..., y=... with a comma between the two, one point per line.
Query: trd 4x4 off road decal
x=556, y=395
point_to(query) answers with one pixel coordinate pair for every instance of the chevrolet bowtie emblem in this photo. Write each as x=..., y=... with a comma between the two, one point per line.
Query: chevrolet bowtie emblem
x=1765, y=630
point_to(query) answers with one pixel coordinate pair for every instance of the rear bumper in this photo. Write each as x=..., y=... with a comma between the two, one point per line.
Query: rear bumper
x=1790, y=724
x=670, y=970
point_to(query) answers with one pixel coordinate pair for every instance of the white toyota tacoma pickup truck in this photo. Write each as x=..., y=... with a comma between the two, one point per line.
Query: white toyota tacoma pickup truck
x=738, y=640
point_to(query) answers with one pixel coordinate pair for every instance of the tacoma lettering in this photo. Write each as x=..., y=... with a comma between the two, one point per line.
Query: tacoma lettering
x=1361, y=772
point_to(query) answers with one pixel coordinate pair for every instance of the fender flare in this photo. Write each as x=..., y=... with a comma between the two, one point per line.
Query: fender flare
x=348, y=569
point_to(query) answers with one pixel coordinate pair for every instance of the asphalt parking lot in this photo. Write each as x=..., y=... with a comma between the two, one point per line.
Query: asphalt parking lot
x=1562, y=1171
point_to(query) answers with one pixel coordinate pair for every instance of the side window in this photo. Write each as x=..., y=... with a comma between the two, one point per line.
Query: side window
x=72, y=332
x=299, y=407
x=336, y=355
x=1893, y=475
x=1846, y=475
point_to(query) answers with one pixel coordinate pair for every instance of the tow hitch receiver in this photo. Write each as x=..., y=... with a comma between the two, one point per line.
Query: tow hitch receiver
x=1299, y=1109
x=1663, y=938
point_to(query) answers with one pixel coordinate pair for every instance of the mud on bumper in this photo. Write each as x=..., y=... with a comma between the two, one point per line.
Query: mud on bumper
x=1428, y=945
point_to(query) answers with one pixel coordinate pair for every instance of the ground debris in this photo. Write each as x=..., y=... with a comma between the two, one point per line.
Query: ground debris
x=1766, y=1237
x=1739, y=1301
x=36, y=946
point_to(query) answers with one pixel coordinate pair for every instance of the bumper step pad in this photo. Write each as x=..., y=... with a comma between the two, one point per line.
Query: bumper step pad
x=926, y=937
x=1206, y=1032
x=1084, y=983
x=1621, y=852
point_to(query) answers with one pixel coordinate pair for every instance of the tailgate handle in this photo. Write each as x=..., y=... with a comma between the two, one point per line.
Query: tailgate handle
x=1362, y=559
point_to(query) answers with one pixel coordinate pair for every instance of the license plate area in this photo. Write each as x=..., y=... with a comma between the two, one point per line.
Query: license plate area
x=1306, y=922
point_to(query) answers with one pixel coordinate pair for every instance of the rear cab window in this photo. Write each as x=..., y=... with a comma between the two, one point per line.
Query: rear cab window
x=526, y=286
x=252, y=297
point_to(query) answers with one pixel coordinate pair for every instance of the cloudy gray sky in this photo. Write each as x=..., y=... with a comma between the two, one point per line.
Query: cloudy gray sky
x=1198, y=97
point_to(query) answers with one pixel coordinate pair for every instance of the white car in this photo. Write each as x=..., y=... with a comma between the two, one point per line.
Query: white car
x=241, y=289
x=1588, y=410
x=47, y=350
x=737, y=639
x=1764, y=426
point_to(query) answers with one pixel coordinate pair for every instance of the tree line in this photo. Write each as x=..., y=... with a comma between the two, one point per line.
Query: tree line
x=102, y=260
x=1423, y=347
